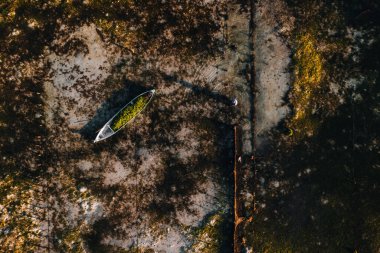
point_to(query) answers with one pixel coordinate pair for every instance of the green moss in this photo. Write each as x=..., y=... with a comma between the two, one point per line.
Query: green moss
x=208, y=237
x=309, y=62
x=129, y=112
x=71, y=240
x=308, y=74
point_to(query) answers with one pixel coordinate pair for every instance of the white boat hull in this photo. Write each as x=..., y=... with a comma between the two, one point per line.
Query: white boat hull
x=106, y=131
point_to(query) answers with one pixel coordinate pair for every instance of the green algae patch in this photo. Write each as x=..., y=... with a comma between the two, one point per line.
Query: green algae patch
x=129, y=112
x=308, y=74
x=209, y=236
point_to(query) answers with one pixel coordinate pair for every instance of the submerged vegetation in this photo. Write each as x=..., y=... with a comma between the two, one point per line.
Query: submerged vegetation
x=183, y=29
x=317, y=192
x=71, y=240
x=48, y=155
x=319, y=65
x=19, y=223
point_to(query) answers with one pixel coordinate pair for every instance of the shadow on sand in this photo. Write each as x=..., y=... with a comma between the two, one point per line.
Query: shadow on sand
x=111, y=106
x=200, y=90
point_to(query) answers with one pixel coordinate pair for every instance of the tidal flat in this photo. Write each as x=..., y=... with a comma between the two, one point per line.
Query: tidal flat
x=303, y=169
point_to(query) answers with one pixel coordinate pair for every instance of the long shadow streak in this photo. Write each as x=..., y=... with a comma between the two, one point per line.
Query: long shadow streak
x=200, y=90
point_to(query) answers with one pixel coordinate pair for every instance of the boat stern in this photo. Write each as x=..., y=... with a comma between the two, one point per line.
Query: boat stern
x=104, y=133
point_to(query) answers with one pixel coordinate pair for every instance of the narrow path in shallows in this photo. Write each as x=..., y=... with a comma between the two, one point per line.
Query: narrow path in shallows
x=241, y=30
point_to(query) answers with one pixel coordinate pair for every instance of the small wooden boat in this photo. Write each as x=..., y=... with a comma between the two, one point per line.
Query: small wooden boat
x=125, y=115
